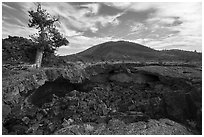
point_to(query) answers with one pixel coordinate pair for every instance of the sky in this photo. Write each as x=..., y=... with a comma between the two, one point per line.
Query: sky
x=169, y=25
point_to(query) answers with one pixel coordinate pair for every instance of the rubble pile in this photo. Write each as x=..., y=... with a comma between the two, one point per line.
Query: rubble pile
x=109, y=102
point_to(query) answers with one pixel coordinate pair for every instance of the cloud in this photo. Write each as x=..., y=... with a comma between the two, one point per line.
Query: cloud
x=184, y=18
x=183, y=13
x=81, y=17
x=137, y=27
x=67, y=31
x=133, y=6
x=17, y=30
x=175, y=42
x=120, y=5
x=94, y=7
x=7, y=6
x=161, y=21
x=182, y=22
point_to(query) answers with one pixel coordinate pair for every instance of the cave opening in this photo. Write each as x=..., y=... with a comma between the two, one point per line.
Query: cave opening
x=60, y=87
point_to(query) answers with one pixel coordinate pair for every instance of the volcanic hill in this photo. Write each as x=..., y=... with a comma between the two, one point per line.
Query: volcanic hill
x=124, y=50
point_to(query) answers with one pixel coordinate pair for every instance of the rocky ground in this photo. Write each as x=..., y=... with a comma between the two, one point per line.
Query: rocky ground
x=122, y=98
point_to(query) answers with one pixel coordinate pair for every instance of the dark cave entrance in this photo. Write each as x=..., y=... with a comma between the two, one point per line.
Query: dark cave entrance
x=60, y=87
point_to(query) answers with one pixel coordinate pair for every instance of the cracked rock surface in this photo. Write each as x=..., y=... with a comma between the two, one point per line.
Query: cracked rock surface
x=104, y=99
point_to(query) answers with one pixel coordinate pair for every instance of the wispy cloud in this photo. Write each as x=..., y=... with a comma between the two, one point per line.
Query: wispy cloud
x=138, y=27
x=154, y=24
x=184, y=20
x=7, y=6
x=83, y=17
x=17, y=30
x=93, y=8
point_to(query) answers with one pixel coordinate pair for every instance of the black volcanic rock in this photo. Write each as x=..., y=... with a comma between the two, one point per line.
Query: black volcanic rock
x=44, y=101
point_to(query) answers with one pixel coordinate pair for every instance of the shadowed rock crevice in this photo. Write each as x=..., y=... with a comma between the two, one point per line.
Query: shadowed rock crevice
x=59, y=87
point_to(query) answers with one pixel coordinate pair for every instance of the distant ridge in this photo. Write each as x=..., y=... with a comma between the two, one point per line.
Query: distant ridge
x=124, y=50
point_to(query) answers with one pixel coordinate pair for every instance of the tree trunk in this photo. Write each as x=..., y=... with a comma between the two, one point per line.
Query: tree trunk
x=39, y=53
x=38, y=59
